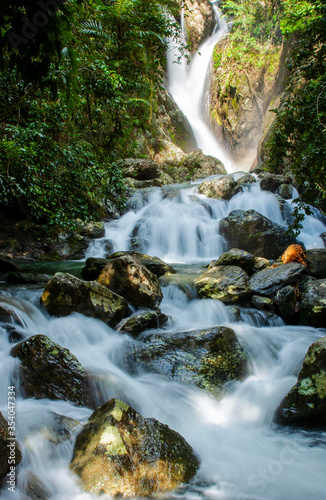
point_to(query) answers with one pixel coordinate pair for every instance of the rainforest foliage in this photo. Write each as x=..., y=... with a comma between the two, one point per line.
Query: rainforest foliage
x=298, y=141
x=78, y=83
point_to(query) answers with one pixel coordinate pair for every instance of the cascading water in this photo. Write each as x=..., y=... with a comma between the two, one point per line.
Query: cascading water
x=188, y=87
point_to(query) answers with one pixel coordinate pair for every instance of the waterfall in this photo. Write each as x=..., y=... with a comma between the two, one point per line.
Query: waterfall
x=189, y=88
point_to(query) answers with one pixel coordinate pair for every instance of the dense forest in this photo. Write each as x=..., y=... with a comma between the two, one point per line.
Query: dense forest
x=79, y=87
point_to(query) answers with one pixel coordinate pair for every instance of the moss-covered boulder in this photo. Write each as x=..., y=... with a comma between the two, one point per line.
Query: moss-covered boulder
x=316, y=259
x=305, y=404
x=127, y=277
x=209, y=359
x=154, y=264
x=141, y=321
x=251, y=231
x=312, y=307
x=195, y=165
x=121, y=453
x=224, y=188
x=269, y=281
x=65, y=294
x=226, y=283
x=237, y=257
x=271, y=182
x=10, y=454
x=48, y=370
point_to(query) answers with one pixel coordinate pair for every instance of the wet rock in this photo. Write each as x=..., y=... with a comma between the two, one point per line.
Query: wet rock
x=255, y=233
x=270, y=182
x=156, y=265
x=127, y=277
x=285, y=191
x=200, y=165
x=268, y=281
x=209, y=359
x=262, y=303
x=237, y=257
x=312, y=307
x=16, y=278
x=90, y=229
x=286, y=301
x=141, y=321
x=246, y=179
x=120, y=453
x=305, y=404
x=223, y=188
x=35, y=488
x=9, y=448
x=260, y=264
x=68, y=245
x=323, y=237
x=140, y=169
x=65, y=294
x=48, y=370
x=316, y=259
x=93, y=268
x=7, y=264
x=226, y=283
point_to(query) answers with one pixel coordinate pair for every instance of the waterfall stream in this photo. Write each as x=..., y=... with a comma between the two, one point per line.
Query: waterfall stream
x=188, y=85
x=243, y=454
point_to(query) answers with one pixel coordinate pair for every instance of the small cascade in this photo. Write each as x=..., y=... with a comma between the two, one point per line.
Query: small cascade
x=189, y=88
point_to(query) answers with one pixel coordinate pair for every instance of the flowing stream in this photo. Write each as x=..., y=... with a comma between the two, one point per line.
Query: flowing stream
x=243, y=454
x=188, y=85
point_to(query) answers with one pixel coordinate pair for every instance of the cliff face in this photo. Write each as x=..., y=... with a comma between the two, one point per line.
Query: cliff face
x=199, y=21
x=243, y=90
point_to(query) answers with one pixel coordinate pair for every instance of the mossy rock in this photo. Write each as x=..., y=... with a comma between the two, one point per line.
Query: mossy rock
x=121, y=453
x=226, y=283
x=49, y=370
x=305, y=404
x=141, y=321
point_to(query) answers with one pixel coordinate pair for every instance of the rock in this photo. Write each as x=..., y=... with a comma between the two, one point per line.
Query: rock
x=209, y=359
x=316, y=259
x=312, y=307
x=68, y=245
x=255, y=233
x=226, y=283
x=262, y=303
x=127, y=277
x=305, y=404
x=268, y=281
x=93, y=268
x=35, y=488
x=65, y=294
x=141, y=321
x=9, y=448
x=50, y=371
x=260, y=264
x=90, y=229
x=270, y=182
x=237, y=257
x=323, y=237
x=285, y=191
x=224, y=188
x=7, y=264
x=286, y=301
x=16, y=278
x=246, y=179
x=140, y=169
x=199, y=21
x=121, y=453
x=156, y=265
x=193, y=166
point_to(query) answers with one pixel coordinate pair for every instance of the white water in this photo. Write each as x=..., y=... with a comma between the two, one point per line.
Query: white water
x=188, y=86
x=184, y=229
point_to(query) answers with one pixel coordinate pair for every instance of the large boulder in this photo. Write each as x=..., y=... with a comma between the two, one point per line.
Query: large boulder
x=65, y=294
x=93, y=268
x=195, y=165
x=224, y=187
x=237, y=257
x=312, y=307
x=154, y=264
x=127, y=276
x=251, y=231
x=305, y=404
x=121, y=453
x=209, y=359
x=48, y=370
x=141, y=321
x=271, y=182
x=269, y=281
x=316, y=259
x=140, y=169
x=10, y=454
x=226, y=283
